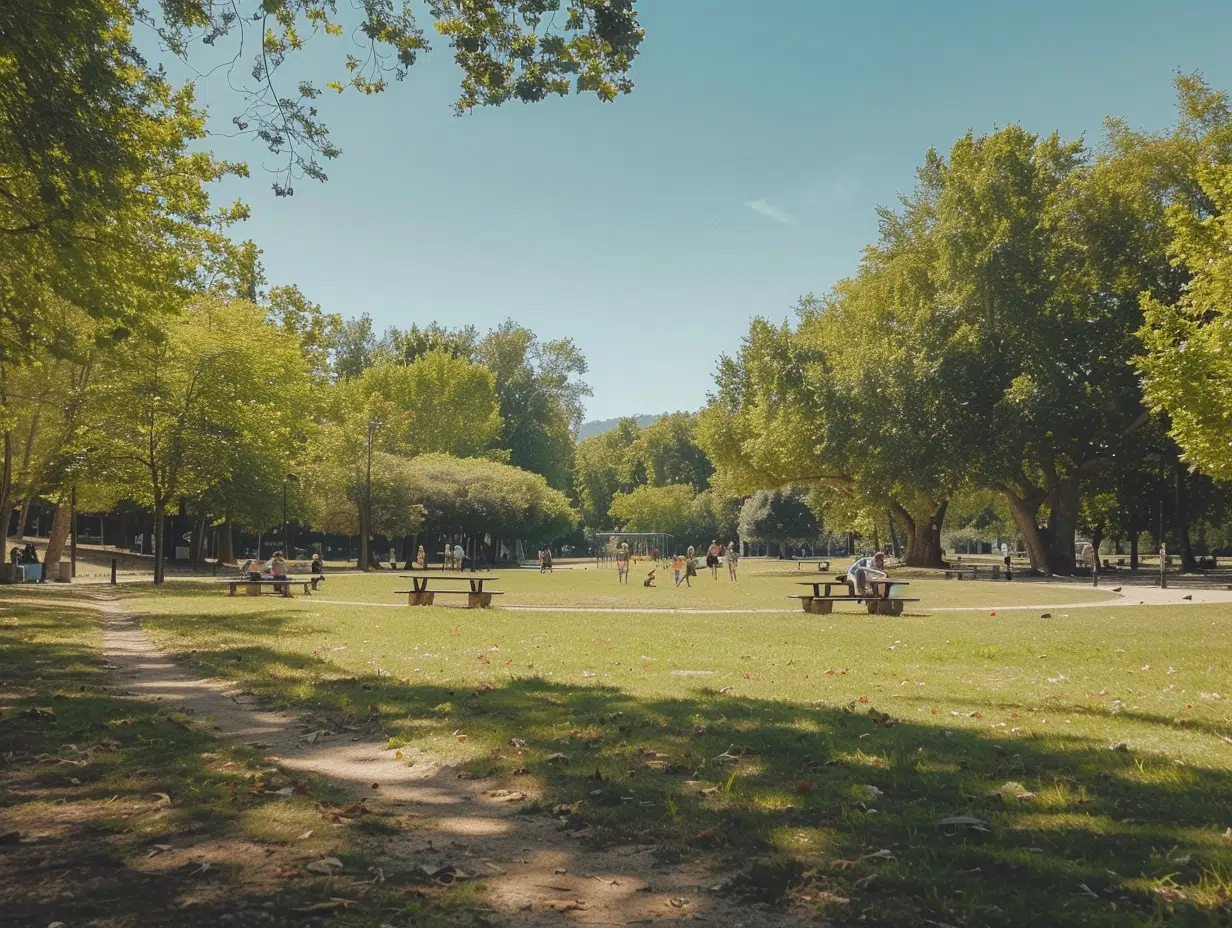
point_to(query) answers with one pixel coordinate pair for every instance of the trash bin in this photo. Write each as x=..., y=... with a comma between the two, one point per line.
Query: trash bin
x=65, y=574
x=31, y=573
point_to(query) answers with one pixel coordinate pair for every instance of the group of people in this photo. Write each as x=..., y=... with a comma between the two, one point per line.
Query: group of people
x=25, y=555
x=684, y=567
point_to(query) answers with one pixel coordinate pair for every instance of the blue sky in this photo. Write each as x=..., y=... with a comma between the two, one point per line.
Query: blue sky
x=741, y=173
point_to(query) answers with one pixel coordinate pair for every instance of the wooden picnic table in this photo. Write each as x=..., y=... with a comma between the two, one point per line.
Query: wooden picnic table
x=422, y=594
x=280, y=586
x=878, y=601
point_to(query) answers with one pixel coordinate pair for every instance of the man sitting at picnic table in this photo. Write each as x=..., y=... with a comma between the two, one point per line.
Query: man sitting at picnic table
x=862, y=571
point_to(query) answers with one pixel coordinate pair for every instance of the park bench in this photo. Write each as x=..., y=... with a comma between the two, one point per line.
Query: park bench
x=973, y=573
x=879, y=601
x=280, y=587
x=822, y=566
x=423, y=594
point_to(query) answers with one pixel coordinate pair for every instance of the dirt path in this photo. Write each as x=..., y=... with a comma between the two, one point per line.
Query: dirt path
x=534, y=872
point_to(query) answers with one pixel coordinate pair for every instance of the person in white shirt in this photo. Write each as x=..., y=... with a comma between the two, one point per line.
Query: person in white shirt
x=865, y=569
x=459, y=556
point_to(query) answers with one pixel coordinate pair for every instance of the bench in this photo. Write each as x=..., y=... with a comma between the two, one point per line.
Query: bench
x=474, y=600
x=822, y=566
x=973, y=573
x=281, y=587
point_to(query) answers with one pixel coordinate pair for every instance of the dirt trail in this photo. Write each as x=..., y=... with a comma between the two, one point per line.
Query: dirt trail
x=532, y=870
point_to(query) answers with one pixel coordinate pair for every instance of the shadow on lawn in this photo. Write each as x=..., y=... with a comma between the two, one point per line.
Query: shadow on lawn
x=111, y=808
x=802, y=803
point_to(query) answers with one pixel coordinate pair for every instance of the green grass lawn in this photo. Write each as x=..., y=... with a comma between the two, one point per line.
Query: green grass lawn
x=809, y=760
x=118, y=812
x=761, y=585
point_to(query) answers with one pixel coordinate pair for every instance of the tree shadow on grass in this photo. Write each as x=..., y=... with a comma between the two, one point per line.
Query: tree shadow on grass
x=866, y=818
x=117, y=811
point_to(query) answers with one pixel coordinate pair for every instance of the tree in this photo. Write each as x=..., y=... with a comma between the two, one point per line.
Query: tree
x=670, y=454
x=180, y=412
x=443, y=404
x=1187, y=345
x=605, y=465
x=780, y=517
x=102, y=204
x=541, y=396
x=668, y=509
x=506, y=49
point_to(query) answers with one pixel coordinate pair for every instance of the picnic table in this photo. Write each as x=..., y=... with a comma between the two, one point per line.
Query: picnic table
x=878, y=599
x=276, y=587
x=425, y=588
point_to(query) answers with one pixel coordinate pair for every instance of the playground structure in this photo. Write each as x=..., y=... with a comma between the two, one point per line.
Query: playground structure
x=641, y=545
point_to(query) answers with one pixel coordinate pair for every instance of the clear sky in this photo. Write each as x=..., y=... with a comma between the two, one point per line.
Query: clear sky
x=741, y=173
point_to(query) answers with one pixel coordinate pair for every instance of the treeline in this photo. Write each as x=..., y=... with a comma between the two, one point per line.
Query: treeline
x=1038, y=321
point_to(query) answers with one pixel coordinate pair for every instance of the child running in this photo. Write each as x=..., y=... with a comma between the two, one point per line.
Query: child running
x=677, y=568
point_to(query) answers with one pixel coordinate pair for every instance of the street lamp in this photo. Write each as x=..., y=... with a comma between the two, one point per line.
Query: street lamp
x=286, y=528
x=366, y=528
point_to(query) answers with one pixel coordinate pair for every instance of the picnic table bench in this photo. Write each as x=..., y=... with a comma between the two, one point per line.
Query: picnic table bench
x=878, y=601
x=279, y=587
x=973, y=572
x=423, y=594
x=822, y=566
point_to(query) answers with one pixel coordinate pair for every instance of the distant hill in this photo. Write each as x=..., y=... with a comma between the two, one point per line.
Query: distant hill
x=599, y=426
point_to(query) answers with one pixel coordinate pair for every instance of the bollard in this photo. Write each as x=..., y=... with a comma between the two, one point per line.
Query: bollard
x=113, y=571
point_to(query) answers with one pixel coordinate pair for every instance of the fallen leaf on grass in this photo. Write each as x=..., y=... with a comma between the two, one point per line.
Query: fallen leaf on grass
x=557, y=758
x=305, y=836
x=163, y=800
x=506, y=795
x=331, y=906
x=326, y=866
x=967, y=821
x=157, y=849
x=564, y=905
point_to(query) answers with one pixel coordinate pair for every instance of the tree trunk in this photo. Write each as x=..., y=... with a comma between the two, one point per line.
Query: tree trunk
x=1181, y=519
x=1133, y=551
x=1025, y=512
x=160, y=510
x=6, y=487
x=1063, y=504
x=364, y=560
x=57, y=537
x=196, y=548
x=922, y=536
x=1097, y=537
x=894, y=548
x=226, y=550
x=23, y=521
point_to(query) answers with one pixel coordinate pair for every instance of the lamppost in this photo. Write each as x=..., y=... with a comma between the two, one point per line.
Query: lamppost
x=286, y=528
x=366, y=528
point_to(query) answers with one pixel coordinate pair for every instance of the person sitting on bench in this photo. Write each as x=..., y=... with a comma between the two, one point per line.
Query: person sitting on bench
x=278, y=570
x=862, y=571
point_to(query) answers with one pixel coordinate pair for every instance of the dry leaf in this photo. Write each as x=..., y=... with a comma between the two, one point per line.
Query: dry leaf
x=331, y=906
x=326, y=866
x=158, y=849
x=163, y=800
x=305, y=836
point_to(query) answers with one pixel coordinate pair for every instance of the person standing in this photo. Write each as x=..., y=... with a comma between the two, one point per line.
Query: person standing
x=459, y=557
x=677, y=569
x=421, y=558
x=393, y=559
x=622, y=564
x=713, y=558
x=690, y=565
x=733, y=560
